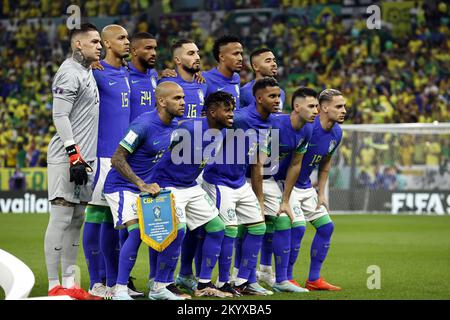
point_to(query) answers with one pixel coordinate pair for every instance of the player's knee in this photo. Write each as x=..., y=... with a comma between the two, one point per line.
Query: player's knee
x=231, y=231
x=215, y=225
x=258, y=229
x=282, y=223
x=326, y=230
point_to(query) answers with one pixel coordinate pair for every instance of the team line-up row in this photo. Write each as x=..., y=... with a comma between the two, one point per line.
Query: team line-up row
x=117, y=131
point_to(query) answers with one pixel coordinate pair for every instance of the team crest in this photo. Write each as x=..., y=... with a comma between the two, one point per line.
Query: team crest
x=153, y=80
x=134, y=207
x=201, y=96
x=157, y=213
x=231, y=213
x=297, y=211
x=179, y=212
x=332, y=146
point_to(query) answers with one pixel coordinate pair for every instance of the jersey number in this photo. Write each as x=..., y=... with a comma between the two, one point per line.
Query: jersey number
x=316, y=160
x=124, y=99
x=146, y=98
x=192, y=111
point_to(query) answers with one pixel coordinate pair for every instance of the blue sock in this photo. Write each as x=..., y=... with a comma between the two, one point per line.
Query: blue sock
x=152, y=258
x=238, y=251
x=226, y=255
x=267, y=249
x=252, y=276
x=123, y=235
x=250, y=249
x=319, y=249
x=168, y=258
x=281, y=249
x=110, y=247
x=101, y=268
x=210, y=252
x=198, y=251
x=188, y=249
x=128, y=255
x=297, y=234
x=91, y=248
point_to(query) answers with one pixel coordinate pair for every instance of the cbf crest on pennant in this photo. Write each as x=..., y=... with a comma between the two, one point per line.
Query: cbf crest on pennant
x=157, y=220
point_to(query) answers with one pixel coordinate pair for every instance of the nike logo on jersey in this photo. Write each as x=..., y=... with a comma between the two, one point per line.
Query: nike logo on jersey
x=312, y=145
x=111, y=83
x=220, y=89
x=156, y=142
x=135, y=81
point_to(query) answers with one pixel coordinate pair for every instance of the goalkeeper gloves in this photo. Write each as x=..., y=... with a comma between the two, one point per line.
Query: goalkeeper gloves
x=78, y=167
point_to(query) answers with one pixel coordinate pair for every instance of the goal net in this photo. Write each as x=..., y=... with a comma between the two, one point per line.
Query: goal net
x=392, y=168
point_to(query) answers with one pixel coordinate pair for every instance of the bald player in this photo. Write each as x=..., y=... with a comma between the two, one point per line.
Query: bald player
x=146, y=140
x=70, y=159
x=100, y=239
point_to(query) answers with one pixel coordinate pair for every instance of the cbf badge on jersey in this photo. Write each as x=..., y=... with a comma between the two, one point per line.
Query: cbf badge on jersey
x=157, y=219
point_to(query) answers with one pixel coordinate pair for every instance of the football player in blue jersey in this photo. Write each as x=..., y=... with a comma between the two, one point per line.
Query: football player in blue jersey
x=309, y=204
x=186, y=57
x=142, y=74
x=238, y=201
x=294, y=132
x=144, y=144
x=192, y=148
x=228, y=52
x=264, y=64
x=100, y=240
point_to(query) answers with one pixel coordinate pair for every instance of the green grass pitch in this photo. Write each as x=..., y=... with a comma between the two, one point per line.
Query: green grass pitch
x=412, y=252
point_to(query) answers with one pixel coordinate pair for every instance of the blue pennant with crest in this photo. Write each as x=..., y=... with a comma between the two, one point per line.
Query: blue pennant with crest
x=157, y=219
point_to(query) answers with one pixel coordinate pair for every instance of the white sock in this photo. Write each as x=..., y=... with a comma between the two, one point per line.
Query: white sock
x=240, y=281
x=204, y=280
x=68, y=282
x=264, y=268
x=220, y=284
x=235, y=272
x=52, y=284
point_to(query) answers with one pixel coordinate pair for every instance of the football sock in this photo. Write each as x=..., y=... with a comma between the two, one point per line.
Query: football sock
x=319, y=249
x=123, y=235
x=59, y=221
x=226, y=253
x=267, y=243
x=110, y=248
x=200, y=234
x=91, y=244
x=250, y=249
x=238, y=245
x=71, y=244
x=168, y=258
x=188, y=249
x=297, y=232
x=128, y=254
x=153, y=258
x=215, y=230
x=282, y=247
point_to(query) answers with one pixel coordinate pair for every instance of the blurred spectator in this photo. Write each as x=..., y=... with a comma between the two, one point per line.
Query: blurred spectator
x=17, y=181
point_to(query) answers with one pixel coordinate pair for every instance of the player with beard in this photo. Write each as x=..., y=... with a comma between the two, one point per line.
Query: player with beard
x=142, y=76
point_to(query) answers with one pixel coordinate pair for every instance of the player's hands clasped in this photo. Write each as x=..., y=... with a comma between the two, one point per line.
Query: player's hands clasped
x=78, y=167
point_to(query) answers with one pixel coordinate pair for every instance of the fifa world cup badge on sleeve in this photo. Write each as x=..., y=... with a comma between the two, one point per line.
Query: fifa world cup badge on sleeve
x=157, y=219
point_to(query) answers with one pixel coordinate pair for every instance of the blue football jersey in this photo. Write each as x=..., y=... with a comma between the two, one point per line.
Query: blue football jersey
x=218, y=82
x=188, y=154
x=143, y=87
x=248, y=98
x=322, y=144
x=194, y=96
x=237, y=154
x=147, y=139
x=114, y=116
x=290, y=141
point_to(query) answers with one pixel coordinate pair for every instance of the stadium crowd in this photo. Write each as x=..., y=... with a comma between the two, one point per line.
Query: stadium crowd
x=385, y=79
